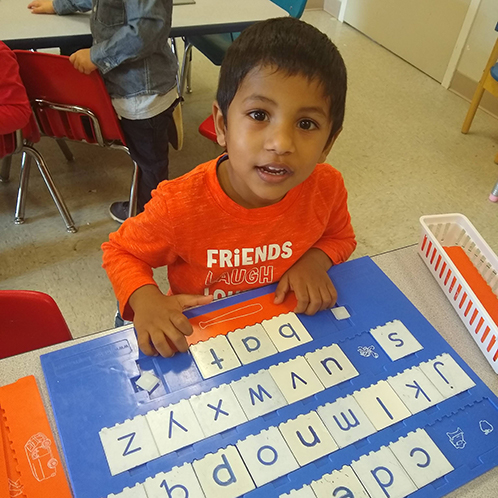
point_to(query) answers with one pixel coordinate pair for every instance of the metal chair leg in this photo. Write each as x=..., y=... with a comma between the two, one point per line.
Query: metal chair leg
x=5, y=169
x=186, y=63
x=22, y=191
x=65, y=149
x=134, y=191
x=49, y=182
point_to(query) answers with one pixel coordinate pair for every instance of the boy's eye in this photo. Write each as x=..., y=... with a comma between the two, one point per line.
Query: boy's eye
x=258, y=115
x=307, y=124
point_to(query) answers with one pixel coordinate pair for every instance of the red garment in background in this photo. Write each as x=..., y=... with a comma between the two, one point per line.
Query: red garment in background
x=15, y=110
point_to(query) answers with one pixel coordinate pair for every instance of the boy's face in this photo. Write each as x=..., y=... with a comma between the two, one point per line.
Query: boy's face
x=277, y=131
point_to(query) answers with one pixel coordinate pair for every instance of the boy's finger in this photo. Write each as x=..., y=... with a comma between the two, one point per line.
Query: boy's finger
x=181, y=324
x=144, y=343
x=281, y=291
x=315, y=301
x=303, y=299
x=189, y=300
x=161, y=344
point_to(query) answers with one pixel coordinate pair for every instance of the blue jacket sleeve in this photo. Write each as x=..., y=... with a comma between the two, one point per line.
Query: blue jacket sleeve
x=63, y=7
x=148, y=22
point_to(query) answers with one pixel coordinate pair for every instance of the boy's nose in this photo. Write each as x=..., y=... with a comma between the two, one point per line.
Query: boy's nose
x=280, y=140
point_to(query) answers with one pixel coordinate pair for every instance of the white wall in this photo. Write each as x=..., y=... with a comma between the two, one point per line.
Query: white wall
x=481, y=39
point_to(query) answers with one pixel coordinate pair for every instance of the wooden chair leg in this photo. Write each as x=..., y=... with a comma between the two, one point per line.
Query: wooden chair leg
x=476, y=99
x=496, y=159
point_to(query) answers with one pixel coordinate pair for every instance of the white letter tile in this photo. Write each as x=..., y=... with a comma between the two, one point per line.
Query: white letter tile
x=214, y=356
x=251, y=343
x=286, y=331
x=174, y=427
x=382, y=475
x=340, y=313
x=339, y=481
x=415, y=390
x=308, y=438
x=381, y=404
x=304, y=492
x=447, y=375
x=267, y=456
x=179, y=481
x=137, y=491
x=128, y=445
x=223, y=474
x=421, y=458
x=396, y=340
x=258, y=394
x=217, y=410
x=331, y=365
x=296, y=379
x=346, y=421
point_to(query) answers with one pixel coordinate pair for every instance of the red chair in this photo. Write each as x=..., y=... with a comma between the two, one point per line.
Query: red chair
x=72, y=105
x=29, y=320
x=207, y=130
x=22, y=141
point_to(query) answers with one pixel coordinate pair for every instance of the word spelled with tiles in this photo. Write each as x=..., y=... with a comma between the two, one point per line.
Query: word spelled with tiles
x=395, y=470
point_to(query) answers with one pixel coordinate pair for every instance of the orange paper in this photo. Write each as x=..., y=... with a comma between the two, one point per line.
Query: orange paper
x=238, y=316
x=472, y=276
x=29, y=454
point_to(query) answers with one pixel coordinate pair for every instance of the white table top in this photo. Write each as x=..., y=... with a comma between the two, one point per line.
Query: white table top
x=405, y=268
x=18, y=24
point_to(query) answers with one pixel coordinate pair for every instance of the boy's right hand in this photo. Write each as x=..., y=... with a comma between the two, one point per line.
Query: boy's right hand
x=41, y=7
x=159, y=320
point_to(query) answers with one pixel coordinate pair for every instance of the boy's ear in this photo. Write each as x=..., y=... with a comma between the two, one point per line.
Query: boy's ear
x=327, y=148
x=219, y=124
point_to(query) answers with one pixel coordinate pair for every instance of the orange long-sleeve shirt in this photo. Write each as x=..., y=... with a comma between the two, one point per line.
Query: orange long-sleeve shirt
x=212, y=245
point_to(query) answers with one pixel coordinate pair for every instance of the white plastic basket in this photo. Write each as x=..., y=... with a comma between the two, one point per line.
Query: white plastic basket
x=456, y=230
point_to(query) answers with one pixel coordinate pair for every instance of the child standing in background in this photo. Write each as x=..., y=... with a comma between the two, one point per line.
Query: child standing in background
x=268, y=210
x=131, y=51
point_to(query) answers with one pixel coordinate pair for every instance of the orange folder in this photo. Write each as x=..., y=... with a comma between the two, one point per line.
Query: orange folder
x=30, y=465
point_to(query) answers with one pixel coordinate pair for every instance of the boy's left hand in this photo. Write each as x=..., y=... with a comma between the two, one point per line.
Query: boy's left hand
x=308, y=278
x=82, y=62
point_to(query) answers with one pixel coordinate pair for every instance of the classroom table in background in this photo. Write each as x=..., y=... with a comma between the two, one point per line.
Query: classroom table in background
x=405, y=268
x=20, y=29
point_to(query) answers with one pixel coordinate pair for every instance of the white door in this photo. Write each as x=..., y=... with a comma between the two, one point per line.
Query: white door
x=422, y=32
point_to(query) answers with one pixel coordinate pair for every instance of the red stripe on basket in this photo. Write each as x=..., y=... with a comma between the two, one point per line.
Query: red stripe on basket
x=486, y=332
x=429, y=247
x=459, y=288
x=491, y=343
x=464, y=297
x=424, y=241
x=448, y=275
x=437, y=262
x=442, y=270
x=468, y=308
x=495, y=357
x=433, y=255
x=479, y=325
x=453, y=282
x=474, y=315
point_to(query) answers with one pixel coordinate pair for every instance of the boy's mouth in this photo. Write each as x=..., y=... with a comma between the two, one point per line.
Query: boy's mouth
x=274, y=169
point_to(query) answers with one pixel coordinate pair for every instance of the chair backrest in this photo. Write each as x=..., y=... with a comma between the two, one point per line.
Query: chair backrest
x=29, y=320
x=294, y=7
x=9, y=143
x=52, y=78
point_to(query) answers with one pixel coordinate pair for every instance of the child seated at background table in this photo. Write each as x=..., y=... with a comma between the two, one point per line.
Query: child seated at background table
x=267, y=210
x=131, y=51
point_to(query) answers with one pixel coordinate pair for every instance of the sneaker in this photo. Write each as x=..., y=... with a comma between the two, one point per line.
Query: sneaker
x=119, y=211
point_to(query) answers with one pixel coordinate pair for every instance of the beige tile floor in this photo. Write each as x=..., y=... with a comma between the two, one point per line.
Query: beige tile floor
x=401, y=153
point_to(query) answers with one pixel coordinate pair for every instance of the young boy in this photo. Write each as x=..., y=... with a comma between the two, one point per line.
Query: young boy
x=263, y=212
x=131, y=50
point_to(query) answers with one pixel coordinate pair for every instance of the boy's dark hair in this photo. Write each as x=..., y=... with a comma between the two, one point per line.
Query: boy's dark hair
x=292, y=46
